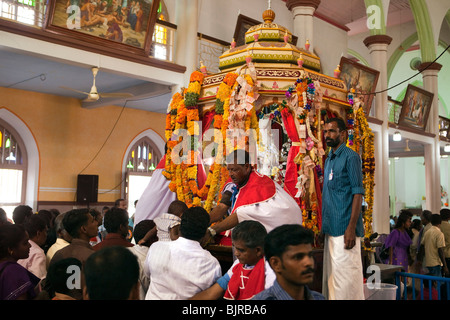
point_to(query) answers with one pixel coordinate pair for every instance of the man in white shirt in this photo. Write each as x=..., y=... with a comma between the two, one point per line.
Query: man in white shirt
x=36, y=262
x=140, y=250
x=63, y=238
x=179, y=269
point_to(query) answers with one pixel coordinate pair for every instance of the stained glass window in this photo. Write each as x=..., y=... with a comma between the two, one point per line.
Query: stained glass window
x=30, y=12
x=163, y=35
x=143, y=157
x=12, y=168
x=10, y=153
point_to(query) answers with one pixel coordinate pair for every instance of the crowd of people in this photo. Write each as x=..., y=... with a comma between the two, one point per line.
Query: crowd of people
x=420, y=245
x=56, y=260
x=84, y=254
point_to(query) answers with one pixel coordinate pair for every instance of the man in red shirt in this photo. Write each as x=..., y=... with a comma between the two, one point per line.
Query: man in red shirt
x=116, y=224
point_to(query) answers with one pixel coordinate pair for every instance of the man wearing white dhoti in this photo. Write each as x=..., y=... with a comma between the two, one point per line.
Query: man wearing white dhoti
x=254, y=197
x=341, y=217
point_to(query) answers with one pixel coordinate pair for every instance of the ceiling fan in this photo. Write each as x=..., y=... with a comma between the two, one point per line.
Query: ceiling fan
x=94, y=95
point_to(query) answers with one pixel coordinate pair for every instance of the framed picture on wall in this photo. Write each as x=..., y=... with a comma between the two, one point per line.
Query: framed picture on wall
x=415, y=108
x=360, y=78
x=121, y=24
x=444, y=127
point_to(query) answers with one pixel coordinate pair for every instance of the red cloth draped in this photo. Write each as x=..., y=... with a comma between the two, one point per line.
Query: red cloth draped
x=290, y=178
x=201, y=174
x=259, y=188
x=207, y=119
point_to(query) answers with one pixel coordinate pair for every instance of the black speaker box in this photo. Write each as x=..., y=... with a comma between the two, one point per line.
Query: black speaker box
x=87, y=188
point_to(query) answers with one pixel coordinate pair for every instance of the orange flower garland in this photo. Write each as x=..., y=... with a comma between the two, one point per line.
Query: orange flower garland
x=218, y=173
x=368, y=163
x=172, y=114
x=171, y=117
x=183, y=114
x=184, y=176
x=192, y=122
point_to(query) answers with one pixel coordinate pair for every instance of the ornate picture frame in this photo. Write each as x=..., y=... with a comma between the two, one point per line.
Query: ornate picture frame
x=416, y=108
x=360, y=78
x=125, y=25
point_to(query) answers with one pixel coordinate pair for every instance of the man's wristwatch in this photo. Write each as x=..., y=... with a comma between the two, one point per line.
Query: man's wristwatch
x=212, y=231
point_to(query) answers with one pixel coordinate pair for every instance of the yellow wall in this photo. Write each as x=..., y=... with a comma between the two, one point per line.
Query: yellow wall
x=69, y=136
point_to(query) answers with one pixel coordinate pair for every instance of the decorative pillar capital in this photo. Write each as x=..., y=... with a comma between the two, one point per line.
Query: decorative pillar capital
x=377, y=39
x=291, y=4
x=429, y=66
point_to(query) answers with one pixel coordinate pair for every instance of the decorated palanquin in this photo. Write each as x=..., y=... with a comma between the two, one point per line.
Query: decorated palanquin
x=264, y=85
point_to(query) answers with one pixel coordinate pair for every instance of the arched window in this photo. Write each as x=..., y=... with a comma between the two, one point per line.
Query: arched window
x=13, y=168
x=142, y=159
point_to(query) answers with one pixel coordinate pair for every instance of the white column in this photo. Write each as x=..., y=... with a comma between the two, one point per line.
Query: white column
x=303, y=11
x=303, y=26
x=432, y=151
x=186, y=43
x=377, y=46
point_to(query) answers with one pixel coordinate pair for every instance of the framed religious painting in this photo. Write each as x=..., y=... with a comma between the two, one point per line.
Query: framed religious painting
x=415, y=108
x=360, y=78
x=119, y=24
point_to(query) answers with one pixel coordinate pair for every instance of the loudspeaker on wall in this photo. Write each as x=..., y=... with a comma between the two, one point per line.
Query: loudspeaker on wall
x=87, y=188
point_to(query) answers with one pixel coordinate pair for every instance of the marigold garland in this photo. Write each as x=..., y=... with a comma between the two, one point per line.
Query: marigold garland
x=172, y=114
x=361, y=140
x=184, y=176
x=368, y=164
x=183, y=114
x=175, y=105
x=219, y=171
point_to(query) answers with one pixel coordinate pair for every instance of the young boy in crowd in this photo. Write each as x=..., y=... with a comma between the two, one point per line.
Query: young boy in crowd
x=250, y=273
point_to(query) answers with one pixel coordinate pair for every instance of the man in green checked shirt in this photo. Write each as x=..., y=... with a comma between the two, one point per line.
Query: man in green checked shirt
x=342, y=222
